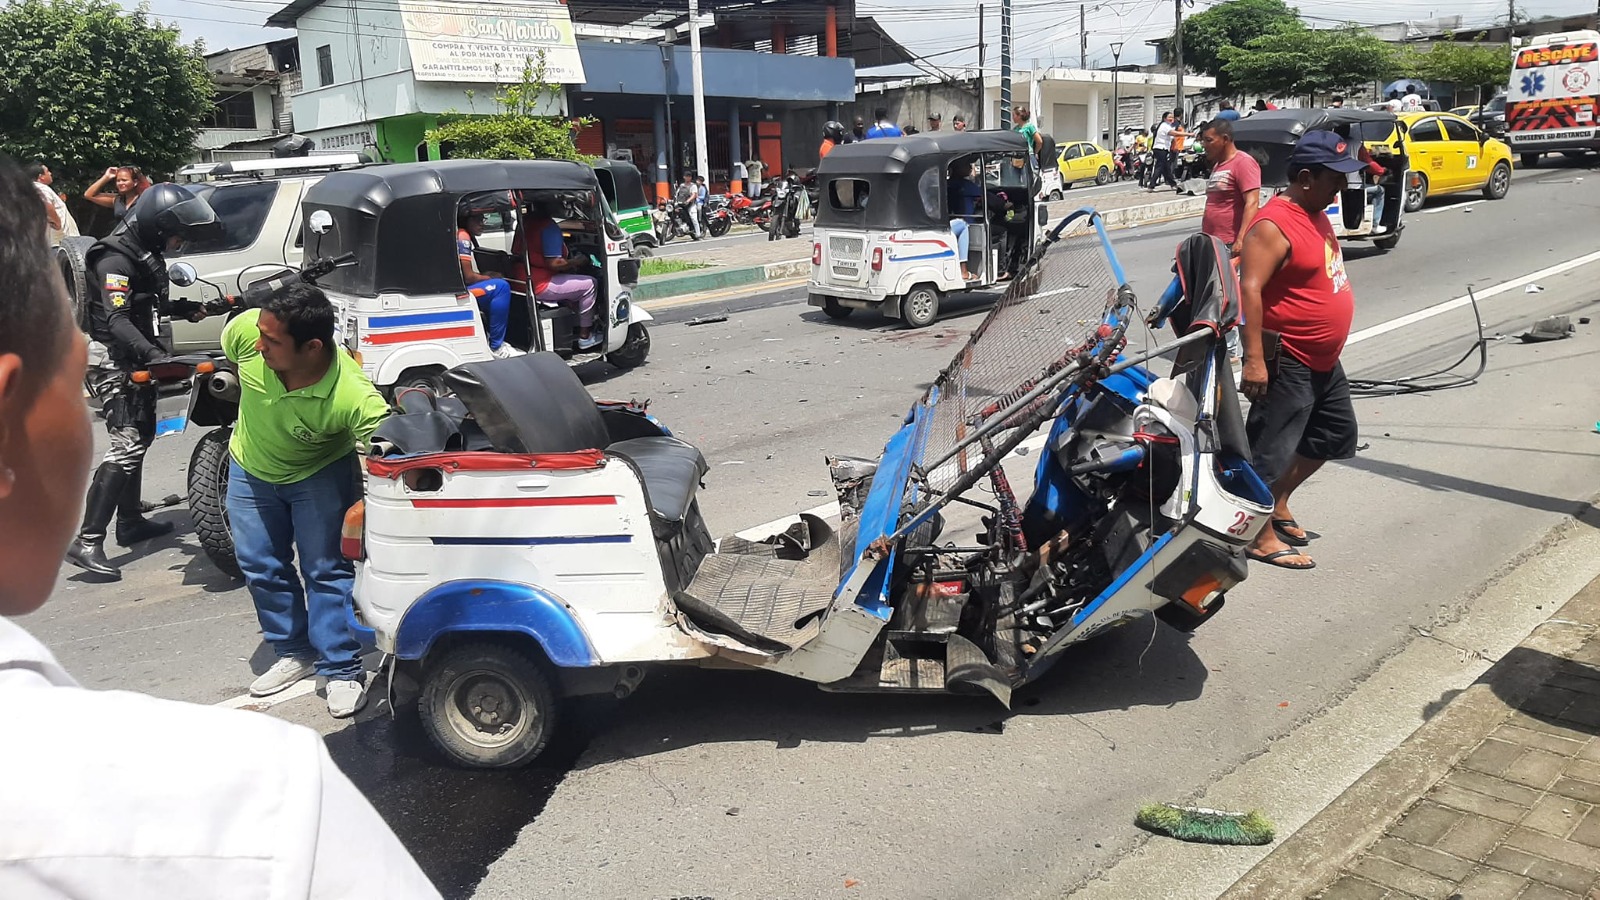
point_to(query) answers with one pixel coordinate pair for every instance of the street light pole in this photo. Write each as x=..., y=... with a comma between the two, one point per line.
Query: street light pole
x=1005, y=63
x=702, y=166
x=1177, y=53
x=1116, y=55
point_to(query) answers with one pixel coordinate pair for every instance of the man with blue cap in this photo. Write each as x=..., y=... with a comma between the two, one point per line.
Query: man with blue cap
x=1298, y=307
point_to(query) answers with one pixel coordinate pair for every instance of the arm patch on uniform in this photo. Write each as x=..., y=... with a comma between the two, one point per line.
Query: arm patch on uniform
x=115, y=282
x=118, y=299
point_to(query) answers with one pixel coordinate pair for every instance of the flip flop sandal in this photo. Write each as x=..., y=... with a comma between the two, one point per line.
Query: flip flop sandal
x=1273, y=559
x=1282, y=526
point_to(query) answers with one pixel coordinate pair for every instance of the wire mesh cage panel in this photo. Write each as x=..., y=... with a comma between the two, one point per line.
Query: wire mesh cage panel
x=1069, y=307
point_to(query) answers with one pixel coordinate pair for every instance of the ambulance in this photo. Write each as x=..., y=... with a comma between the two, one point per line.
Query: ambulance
x=1554, y=95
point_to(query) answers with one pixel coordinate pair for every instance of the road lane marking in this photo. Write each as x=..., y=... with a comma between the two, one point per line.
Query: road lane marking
x=1451, y=208
x=1030, y=445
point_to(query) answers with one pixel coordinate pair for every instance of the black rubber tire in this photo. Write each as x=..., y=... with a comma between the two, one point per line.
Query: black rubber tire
x=1530, y=160
x=833, y=309
x=208, y=499
x=1102, y=176
x=70, y=259
x=1055, y=195
x=634, y=350
x=791, y=229
x=429, y=378
x=1416, y=197
x=1387, y=243
x=718, y=227
x=919, y=308
x=1499, y=183
x=448, y=684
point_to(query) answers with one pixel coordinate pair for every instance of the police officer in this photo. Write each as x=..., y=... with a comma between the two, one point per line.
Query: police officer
x=127, y=293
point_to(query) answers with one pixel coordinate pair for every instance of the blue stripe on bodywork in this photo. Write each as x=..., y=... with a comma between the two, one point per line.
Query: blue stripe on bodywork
x=531, y=541
x=945, y=254
x=494, y=607
x=412, y=319
x=1127, y=575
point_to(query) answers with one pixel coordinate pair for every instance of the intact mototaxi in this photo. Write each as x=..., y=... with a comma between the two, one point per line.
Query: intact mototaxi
x=1269, y=137
x=882, y=238
x=624, y=189
x=522, y=542
x=403, y=308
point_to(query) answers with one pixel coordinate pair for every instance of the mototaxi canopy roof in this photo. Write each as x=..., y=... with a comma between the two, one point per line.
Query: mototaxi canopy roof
x=1269, y=136
x=400, y=220
x=901, y=183
x=622, y=183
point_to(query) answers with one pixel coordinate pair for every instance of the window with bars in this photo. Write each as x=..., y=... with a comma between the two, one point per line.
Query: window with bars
x=234, y=110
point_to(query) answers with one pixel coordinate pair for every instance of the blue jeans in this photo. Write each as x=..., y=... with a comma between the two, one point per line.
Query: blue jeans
x=958, y=227
x=494, y=298
x=270, y=522
x=1375, y=197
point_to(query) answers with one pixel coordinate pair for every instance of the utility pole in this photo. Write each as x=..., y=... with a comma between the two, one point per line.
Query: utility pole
x=1177, y=51
x=702, y=165
x=1083, y=39
x=982, y=80
x=1116, y=62
x=1005, y=63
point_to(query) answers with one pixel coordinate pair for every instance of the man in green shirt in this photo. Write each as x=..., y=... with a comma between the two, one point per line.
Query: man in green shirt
x=304, y=406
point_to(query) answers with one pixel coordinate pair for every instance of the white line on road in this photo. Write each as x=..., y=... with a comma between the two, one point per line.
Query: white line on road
x=1032, y=444
x=1451, y=208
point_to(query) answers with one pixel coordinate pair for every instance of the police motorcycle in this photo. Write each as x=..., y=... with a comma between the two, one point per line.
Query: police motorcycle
x=1362, y=212
x=203, y=390
x=884, y=240
x=404, y=311
x=522, y=542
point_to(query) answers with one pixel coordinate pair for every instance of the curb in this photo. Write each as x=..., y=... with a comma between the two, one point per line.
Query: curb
x=720, y=277
x=1318, y=851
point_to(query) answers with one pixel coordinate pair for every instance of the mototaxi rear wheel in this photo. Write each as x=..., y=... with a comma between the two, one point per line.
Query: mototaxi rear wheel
x=919, y=308
x=488, y=706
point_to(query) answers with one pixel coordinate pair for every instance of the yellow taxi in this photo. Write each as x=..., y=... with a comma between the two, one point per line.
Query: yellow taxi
x=1083, y=161
x=1450, y=155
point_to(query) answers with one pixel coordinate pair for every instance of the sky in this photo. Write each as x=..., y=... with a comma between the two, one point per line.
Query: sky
x=945, y=32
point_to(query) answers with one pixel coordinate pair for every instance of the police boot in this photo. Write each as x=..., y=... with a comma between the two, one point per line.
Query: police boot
x=88, y=552
x=132, y=526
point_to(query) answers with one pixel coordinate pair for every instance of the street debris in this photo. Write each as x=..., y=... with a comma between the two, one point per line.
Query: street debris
x=1205, y=826
x=1552, y=329
x=1533, y=289
x=705, y=320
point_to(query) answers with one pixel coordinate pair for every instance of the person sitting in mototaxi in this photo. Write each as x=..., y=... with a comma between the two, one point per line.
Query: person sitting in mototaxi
x=965, y=195
x=551, y=274
x=490, y=288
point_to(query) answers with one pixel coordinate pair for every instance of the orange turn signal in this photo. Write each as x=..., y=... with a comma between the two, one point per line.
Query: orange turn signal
x=352, y=536
x=206, y=368
x=140, y=377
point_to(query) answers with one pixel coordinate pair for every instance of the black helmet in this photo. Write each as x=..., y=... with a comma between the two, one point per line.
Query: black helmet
x=833, y=131
x=170, y=210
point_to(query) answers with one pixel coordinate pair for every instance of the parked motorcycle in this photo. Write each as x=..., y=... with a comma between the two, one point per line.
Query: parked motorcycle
x=203, y=390
x=719, y=216
x=784, y=219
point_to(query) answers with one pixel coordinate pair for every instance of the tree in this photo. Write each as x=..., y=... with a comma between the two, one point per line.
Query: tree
x=1301, y=61
x=85, y=85
x=516, y=130
x=1466, y=65
x=1228, y=25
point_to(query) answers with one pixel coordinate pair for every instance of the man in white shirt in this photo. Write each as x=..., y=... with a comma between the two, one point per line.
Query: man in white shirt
x=55, y=208
x=1411, y=102
x=113, y=795
x=1163, y=153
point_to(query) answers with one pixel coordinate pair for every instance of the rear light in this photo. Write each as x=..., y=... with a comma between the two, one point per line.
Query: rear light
x=816, y=253
x=877, y=259
x=206, y=368
x=140, y=377
x=353, y=534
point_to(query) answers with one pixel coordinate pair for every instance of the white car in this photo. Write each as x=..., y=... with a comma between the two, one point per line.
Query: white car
x=258, y=202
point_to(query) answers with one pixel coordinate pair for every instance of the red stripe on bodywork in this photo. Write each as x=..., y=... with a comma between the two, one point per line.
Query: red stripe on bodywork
x=487, y=462
x=507, y=502
x=427, y=334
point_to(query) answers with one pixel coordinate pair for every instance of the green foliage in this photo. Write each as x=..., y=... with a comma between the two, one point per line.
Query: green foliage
x=1466, y=65
x=514, y=131
x=1232, y=24
x=1295, y=60
x=85, y=85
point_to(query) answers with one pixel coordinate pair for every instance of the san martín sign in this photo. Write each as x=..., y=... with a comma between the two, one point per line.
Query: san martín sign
x=489, y=42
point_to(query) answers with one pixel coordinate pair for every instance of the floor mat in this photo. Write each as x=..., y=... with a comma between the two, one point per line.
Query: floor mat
x=770, y=593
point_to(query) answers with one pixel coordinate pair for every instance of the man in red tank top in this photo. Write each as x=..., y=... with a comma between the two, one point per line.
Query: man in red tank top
x=1297, y=312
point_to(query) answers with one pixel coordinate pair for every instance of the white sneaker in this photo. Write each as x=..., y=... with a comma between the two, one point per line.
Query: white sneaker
x=345, y=698
x=506, y=351
x=283, y=673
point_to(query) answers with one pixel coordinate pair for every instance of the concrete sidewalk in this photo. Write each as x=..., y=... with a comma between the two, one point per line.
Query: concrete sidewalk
x=735, y=262
x=1496, y=797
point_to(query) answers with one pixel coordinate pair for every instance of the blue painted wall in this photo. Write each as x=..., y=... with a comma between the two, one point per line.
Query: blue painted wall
x=637, y=69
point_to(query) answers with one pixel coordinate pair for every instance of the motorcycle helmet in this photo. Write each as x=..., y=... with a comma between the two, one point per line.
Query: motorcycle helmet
x=833, y=131
x=170, y=210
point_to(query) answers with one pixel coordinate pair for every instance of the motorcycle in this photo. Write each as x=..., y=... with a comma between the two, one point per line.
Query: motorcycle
x=1191, y=165
x=719, y=215
x=203, y=390
x=784, y=219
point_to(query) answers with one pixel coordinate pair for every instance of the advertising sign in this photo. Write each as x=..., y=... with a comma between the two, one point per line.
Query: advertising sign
x=489, y=43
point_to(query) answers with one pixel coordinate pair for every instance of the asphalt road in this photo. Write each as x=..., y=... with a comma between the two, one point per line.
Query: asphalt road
x=718, y=784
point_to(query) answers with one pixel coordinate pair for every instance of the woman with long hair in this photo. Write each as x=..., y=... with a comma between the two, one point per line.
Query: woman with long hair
x=129, y=183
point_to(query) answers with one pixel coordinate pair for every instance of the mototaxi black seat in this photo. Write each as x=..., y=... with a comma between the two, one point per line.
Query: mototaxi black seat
x=536, y=404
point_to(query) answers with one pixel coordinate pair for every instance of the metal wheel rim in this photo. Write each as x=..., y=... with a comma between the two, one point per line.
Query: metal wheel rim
x=467, y=709
x=1416, y=196
x=1500, y=180
x=920, y=304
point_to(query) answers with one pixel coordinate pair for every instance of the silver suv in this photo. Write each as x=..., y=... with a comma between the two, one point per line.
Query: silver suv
x=259, y=203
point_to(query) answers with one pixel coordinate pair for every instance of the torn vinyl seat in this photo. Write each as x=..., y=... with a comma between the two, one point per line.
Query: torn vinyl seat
x=536, y=404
